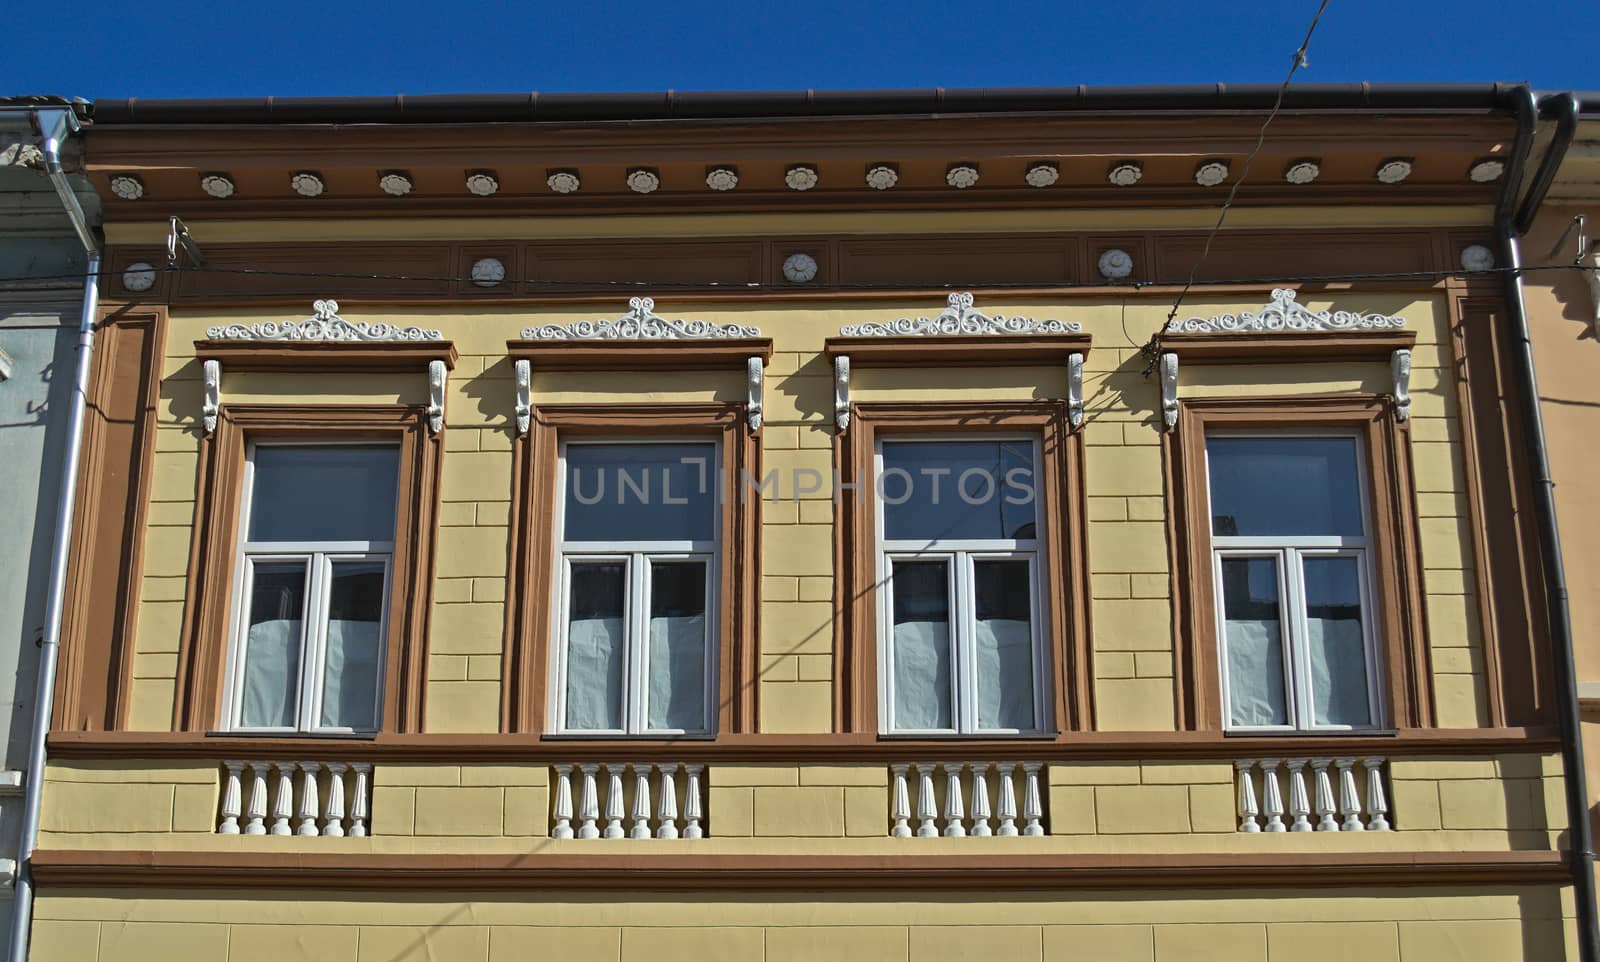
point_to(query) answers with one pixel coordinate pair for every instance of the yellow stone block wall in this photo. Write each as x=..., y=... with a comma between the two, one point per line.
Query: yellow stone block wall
x=1132, y=636
x=1486, y=924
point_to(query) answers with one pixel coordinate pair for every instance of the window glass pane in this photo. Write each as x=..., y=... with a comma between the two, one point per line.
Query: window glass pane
x=354, y=645
x=1004, y=608
x=921, y=644
x=942, y=490
x=677, y=698
x=596, y=653
x=1286, y=487
x=1338, y=653
x=323, y=493
x=272, y=645
x=1253, y=633
x=641, y=492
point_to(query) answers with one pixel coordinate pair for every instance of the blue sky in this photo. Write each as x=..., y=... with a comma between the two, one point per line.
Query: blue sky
x=295, y=48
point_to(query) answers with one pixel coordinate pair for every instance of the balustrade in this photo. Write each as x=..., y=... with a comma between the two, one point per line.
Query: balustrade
x=1343, y=794
x=979, y=799
x=295, y=798
x=614, y=800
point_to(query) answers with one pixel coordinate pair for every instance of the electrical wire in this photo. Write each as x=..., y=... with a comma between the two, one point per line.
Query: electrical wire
x=1152, y=348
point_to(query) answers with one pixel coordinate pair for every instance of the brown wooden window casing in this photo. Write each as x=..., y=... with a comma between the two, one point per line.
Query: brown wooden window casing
x=203, y=648
x=1394, y=555
x=531, y=594
x=1062, y=547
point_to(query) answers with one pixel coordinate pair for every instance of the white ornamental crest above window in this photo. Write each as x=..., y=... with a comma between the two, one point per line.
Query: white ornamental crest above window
x=324, y=325
x=959, y=318
x=1284, y=314
x=641, y=323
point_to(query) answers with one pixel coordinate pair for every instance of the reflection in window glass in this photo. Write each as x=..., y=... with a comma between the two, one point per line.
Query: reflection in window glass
x=1338, y=651
x=957, y=490
x=323, y=493
x=272, y=645
x=640, y=492
x=1284, y=486
x=354, y=644
x=677, y=696
x=1003, y=591
x=596, y=647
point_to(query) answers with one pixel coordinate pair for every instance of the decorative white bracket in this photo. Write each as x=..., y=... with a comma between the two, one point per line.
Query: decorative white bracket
x=1593, y=273
x=841, y=391
x=753, y=385
x=524, y=371
x=211, y=400
x=1400, y=366
x=437, y=374
x=1169, y=390
x=1075, y=389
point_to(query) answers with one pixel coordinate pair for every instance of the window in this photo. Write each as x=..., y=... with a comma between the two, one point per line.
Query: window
x=313, y=570
x=959, y=556
x=638, y=573
x=1290, y=541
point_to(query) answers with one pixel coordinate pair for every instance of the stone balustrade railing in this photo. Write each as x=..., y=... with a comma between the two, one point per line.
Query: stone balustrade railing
x=295, y=798
x=614, y=801
x=959, y=799
x=1313, y=794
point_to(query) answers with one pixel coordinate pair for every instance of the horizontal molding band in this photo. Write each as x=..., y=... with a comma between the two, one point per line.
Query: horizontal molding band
x=302, y=871
x=798, y=749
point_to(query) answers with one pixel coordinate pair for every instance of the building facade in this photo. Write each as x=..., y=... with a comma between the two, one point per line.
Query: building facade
x=42, y=263
x=788, y=527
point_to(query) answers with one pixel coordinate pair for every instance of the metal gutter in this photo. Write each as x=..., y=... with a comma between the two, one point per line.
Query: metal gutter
x=55, y=124
x=1508, y=228
x=725, y=105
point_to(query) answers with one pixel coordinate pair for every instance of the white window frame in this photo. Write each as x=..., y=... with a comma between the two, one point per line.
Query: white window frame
x=636, y=558
x=960, y=554
x=319, y=558
x=1289, y=554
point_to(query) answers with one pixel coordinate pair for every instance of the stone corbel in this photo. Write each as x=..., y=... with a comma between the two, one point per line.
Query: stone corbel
x=437, y=374
x=1169, y=390
x=841, y=391
x=753, y=386
x=524, y=372
x=1075, y=389
x=211, y=399
x=1400, y=367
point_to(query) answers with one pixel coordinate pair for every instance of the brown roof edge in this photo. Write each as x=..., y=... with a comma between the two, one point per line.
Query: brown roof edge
x=734, y=105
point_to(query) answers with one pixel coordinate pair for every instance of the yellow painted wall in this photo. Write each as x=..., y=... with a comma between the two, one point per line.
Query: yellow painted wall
x=1488, y=924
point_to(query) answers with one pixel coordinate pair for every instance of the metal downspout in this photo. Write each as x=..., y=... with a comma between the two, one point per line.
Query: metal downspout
x=1508, y=228
x=55, y=125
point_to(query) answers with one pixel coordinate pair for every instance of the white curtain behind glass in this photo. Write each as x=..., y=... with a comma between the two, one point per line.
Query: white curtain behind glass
x=678, y=673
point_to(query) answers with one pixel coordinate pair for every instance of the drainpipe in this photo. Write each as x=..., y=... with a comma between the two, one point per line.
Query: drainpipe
x=55, y=125
x=1508, y=228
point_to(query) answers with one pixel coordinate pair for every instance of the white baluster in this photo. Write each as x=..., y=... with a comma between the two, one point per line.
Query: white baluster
x=1032, y=800
x=230, y=799
x=563, y=807
x=1324, y=791
x=1377, y=803
x=899, y=804
x=980, y=801
x=641, y=802
x=1271, y=795
x=692, y=812
x=1008, y=799
x=955, y=811
x=308, y=799
x=1299, y=802
x=358, y=800
x=667, y=806
x=927, y=808
x=333, y=810
x=1349, y=800
x=1247, y=797
x=589, y=804
x=283, y=798
x=614, y=803
x=258, y=800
